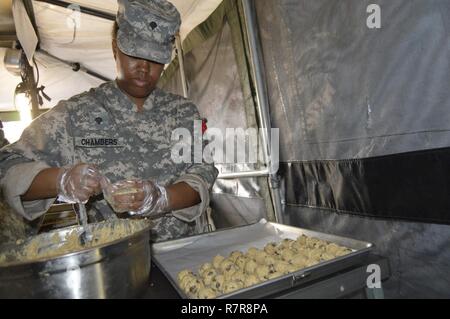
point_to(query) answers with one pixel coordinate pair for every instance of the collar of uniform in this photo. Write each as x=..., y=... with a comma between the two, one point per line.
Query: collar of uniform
x=150, y=102
x=123, y=103
x=118, y=101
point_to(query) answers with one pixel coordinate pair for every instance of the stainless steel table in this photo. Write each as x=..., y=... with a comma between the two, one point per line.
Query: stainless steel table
x=349, y=283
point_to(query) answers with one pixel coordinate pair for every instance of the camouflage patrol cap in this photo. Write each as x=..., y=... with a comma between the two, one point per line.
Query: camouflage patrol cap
x=147, y=29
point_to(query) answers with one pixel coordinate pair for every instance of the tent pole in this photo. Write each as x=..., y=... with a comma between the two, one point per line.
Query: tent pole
x=181, y=61
x=76, y=66
x=262, y=101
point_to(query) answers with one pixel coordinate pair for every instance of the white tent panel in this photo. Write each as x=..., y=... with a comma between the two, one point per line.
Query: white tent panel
x=87, y=41
x=60, y=81
x=193, y=12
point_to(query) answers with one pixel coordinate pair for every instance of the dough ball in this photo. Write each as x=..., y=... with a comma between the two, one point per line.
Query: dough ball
x=250, y=266
x=218, y=283
x=332, y=248
x=228, y=267
x=203, y=268
x=260, y=257
x=187, y=278
x=311, y=242
x=343, y=251
x=184, y=273
x=327, y=256
x=297, y=246
x=241, y=261
x=311, y=262
x=315, y=254
x=217, y=261
x=287, y=254
x=192, y=287
x=251, y=280
x=320, y=244
x=252, y=252
x=238, y=276
x=299, y=261
x=235, y=255
x=269, y=260
x=281, y=267
x=262, y=272
x=301, y=240
x=271, y=248
x=286, y=243
x=209, y=275
x=231, y=286
x=207, y=293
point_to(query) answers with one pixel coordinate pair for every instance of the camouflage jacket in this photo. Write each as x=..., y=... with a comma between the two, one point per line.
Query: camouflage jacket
x=103, y=127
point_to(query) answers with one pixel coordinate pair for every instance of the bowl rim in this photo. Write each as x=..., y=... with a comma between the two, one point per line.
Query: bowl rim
x=31, y=262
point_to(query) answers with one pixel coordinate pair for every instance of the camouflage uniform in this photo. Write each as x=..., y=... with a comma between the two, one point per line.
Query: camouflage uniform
x=103, y=127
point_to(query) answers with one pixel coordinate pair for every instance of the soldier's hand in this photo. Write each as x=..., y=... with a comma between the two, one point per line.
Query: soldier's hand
x=76, y=184
x=136, y=196
x=156, y=199
x=124, y=196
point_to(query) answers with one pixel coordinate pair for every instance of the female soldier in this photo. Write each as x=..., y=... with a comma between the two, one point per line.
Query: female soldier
x=121, y=130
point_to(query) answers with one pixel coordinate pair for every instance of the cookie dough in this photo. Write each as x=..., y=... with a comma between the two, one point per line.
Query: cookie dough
x=270, y=248
x=235, y=255
x=207, y=293
x=184, y=273
x=217, y=261
x=218, y=283
x=250, y=266
x=241, y=261
x=251, y=280
x=209, y=275
x=205, y=267
x=262, y=272
x=232, y=286
x=224, y=275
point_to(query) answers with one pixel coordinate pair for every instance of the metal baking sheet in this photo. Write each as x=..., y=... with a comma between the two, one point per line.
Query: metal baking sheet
x=189, y=253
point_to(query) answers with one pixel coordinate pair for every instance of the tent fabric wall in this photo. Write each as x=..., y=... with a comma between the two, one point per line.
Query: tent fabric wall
x=341, y=91
x=221, y=90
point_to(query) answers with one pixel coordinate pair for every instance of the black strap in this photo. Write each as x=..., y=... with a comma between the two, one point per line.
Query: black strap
x=411, y=186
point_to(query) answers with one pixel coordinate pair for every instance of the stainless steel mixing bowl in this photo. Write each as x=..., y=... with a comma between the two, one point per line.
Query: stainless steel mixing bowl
x=117, y=269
